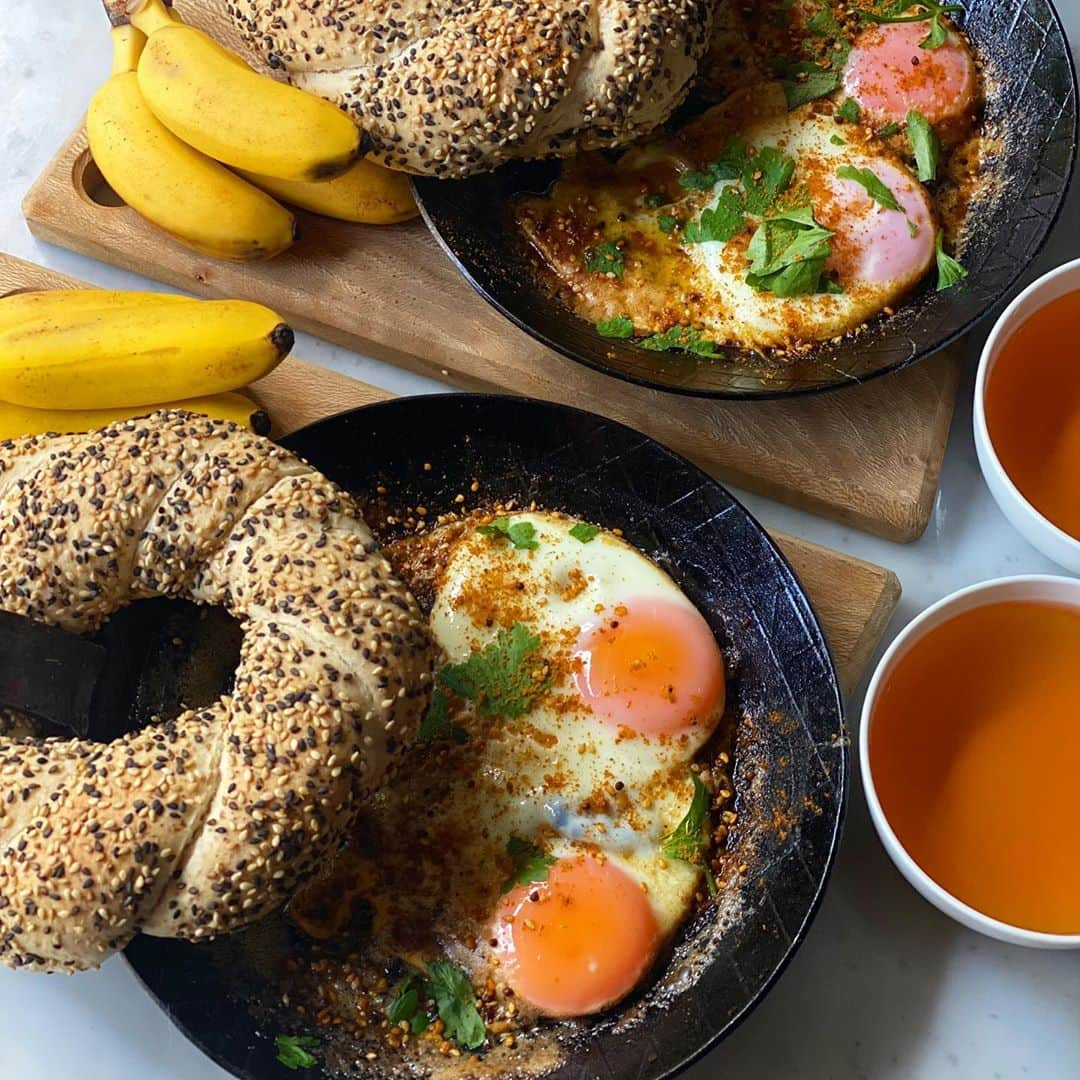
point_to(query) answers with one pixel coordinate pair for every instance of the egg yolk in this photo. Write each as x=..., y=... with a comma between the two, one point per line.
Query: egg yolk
x=578, y=942
x=652, y=666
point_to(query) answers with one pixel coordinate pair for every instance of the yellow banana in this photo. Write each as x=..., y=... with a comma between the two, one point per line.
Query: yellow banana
x=194, y=198
x=365, y=192
x=56, y=306
x=233, y=113
x=110, y=358
x=16, y=420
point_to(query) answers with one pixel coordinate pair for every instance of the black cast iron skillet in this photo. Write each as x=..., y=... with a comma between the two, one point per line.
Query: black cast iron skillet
x=791, y=747
x=1030, y=108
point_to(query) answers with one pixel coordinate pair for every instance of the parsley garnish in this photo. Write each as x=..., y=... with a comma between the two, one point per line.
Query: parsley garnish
x=949, y=271
x=720, y=222
x=454, y=998
x=925, y=145
x=697, y=181
x=621, y=326
x=805, y=81
x=837, y=141
x=667, y=223
x=584, y=532
x=605, y=258
x=823, y=23
x=849, y=111
x=763, y=177
x=529, y=861
x=522, y=534
x=932, y=10
x=502, y=679
x=293, y=1051
x=887, y=131
x=873, y=185
x=728, y=166
x=456, y=1003
x=409, y=994
x=437, y=724
x=680, y=337
x=656, y=200
x=690, y=840
x=766, y=176
x=787, y=254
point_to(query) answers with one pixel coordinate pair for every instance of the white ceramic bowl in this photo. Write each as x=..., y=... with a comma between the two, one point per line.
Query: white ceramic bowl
x=1040, y=588
x=1040, y=532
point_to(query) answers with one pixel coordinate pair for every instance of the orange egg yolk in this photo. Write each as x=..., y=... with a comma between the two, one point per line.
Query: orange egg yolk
x=583, y=943
x=652, y=666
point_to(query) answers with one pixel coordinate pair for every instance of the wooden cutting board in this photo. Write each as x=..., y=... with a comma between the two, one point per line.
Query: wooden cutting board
x=869, y=456
x=854, y=599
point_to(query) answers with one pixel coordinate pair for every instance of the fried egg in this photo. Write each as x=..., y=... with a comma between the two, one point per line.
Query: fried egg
x=889, y=72
x=529, y=845
x=641, y=207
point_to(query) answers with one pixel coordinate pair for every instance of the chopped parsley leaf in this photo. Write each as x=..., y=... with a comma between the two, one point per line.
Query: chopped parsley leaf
x=887, y=131
x=720, y=222
x=787, y=254
x=522, y=534
x=621, y=326
x=456, y=1002
x=667, y=223
x=409, y=994
x=805, y=81
x=872, y=184
x=437, y=724
x=530, y=863
x=697, y=181
x=690, y=840
x=503, y=679
x=931, y=10
x=766, y=176
x=680, y=337
x=656, y=200
x=584, y=532
x=728, y=166
x=837, y=141
x=605, y=258
x=849, y=111
x=293, y=1051
x=823, y=23
x=924, y=144
x=949, y=271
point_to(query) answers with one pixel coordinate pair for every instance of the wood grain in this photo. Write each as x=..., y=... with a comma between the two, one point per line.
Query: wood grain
x=869, y=456
x=854, y=599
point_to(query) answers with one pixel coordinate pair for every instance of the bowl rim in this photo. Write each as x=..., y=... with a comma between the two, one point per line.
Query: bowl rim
x=965, y=599
x=1006, y=324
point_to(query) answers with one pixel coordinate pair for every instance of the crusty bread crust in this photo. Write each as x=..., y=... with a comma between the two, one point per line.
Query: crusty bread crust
x=454, y=87
x=204, y=823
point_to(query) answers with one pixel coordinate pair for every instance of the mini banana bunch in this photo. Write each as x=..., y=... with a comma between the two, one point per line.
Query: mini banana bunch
x=199, y=143
x=79, y=359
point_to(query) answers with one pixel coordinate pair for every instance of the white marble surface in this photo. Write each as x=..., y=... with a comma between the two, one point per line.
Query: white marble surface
x=885, y=987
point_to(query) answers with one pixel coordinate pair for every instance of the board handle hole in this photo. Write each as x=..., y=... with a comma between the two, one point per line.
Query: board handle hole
x=91, y=185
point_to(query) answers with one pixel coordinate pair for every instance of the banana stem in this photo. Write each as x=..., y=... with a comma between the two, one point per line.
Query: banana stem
x=149, y=15
x=127, y=46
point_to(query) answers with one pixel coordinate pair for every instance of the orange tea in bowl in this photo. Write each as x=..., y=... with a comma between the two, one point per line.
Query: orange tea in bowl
x=1032, y=404
x=974, y=750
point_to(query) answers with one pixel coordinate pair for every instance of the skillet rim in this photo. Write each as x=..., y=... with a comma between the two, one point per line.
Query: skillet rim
x=725, y=1025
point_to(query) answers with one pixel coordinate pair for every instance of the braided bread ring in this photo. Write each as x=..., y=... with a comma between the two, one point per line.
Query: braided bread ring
x=199, y=825
x=454, y=87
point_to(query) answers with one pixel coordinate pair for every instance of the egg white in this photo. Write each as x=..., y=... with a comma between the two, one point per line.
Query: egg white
x=586, y=755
